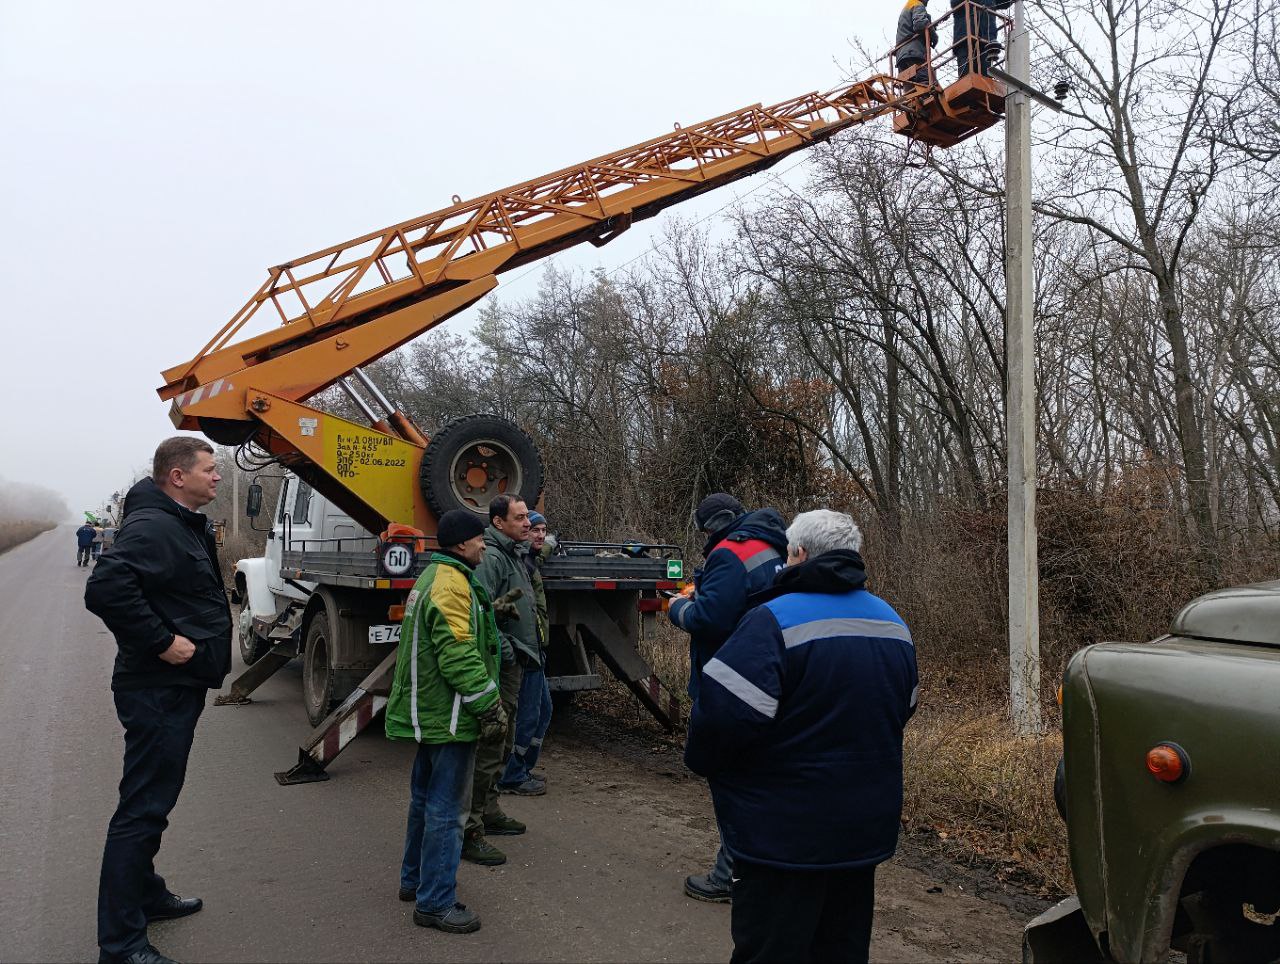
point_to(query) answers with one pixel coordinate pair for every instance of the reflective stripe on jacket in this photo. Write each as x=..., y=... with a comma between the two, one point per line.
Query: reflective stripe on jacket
x=447, y=662
x=743, y=562
x=799, y=726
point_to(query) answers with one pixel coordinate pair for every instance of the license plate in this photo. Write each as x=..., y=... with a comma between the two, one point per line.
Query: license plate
x=384, y=634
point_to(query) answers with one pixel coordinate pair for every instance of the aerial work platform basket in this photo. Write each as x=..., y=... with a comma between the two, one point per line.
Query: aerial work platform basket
x=958, y=96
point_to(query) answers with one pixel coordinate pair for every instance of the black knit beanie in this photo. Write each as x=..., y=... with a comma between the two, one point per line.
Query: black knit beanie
x=457, y=526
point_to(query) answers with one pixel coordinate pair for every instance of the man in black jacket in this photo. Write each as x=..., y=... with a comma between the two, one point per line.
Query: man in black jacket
x=160, y=593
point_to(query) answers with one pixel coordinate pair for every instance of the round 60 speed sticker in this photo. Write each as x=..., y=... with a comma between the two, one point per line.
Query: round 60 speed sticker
x=396, y=558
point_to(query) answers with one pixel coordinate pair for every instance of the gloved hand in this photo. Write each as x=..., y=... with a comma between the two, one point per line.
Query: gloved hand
x=493, y=722
x=504, y=607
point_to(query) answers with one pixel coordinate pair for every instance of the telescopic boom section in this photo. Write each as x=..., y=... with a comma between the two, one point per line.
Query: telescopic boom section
x=323, y=295
x=350, y=304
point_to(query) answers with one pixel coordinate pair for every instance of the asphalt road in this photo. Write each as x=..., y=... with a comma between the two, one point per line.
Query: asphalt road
x=309, y=873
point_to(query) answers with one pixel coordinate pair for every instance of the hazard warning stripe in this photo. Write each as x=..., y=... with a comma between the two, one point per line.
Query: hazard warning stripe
x=360, y=709
x=204, y=391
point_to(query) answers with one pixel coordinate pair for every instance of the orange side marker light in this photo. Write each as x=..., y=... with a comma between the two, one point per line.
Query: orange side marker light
x=1168, y=763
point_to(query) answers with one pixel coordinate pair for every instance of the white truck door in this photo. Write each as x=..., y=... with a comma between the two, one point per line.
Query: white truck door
x=294, y=523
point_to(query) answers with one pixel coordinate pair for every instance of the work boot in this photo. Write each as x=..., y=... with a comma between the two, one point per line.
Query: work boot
x=456, y=920
x=700, y=887
x=532, y=787
x=500, y=825
x=479, y=851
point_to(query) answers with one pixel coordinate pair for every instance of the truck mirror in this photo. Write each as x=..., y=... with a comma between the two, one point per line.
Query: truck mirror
x=253, y=505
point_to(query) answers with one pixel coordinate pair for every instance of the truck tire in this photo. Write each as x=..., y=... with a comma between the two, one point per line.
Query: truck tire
x=252, y=646
x=329, y=636
x=473, y=460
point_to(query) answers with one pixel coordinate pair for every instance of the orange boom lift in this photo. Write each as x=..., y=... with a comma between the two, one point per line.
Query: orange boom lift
x=350, y=304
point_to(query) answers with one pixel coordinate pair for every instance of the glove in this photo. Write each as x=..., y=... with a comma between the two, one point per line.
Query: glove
x=504, y=607
x=493, y=722
x=508, y=650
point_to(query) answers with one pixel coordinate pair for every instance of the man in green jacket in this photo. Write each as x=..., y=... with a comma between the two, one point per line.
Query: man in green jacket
x=503, y=575
x=444, y=697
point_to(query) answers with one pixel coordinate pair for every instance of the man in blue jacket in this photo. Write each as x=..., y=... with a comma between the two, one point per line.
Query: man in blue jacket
x=84, y=543
x=798, y=726
x=744, y=551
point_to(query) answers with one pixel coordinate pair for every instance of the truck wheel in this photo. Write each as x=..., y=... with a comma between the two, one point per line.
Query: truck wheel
x=317, y=669
x=329, y=673
x=252, y=646
x=475, y=459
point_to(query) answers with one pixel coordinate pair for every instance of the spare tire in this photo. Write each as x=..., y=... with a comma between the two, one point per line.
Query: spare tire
x=472, y=461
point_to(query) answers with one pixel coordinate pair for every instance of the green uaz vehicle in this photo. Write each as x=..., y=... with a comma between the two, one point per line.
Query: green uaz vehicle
x=1170, y=787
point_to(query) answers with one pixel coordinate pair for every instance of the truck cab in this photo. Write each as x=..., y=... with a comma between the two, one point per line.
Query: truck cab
x=302, y=518
x=1170, y=789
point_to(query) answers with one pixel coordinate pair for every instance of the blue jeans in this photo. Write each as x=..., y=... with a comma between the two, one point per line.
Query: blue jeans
x=533, y=716
x=439, y=798
x=159, y=724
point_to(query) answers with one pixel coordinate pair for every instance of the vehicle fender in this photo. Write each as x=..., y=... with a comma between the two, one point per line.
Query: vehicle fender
x=1200, y=830
x=251, y=584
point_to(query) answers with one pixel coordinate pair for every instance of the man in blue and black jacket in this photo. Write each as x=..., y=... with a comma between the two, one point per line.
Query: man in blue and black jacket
x=798, y=726
x=744, y=551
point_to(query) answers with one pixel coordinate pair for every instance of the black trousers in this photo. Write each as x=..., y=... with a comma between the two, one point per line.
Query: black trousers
x=82, y=555
x=159, y=724
x=801, y=915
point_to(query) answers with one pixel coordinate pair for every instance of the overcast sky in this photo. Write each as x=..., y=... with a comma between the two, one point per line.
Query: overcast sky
x=158, y=156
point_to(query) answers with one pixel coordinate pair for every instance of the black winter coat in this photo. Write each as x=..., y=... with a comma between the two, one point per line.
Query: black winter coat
x=161, y=578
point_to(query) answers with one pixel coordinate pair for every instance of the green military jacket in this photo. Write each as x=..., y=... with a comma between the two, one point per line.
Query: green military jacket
x=447, y=663
x=501, y=570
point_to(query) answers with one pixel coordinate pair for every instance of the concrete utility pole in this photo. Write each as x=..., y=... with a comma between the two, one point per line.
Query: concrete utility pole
x=1020, y=402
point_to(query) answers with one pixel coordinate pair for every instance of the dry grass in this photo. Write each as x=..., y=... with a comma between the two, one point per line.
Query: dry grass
x=16, y=533
x=987, y=792
x=248, y=544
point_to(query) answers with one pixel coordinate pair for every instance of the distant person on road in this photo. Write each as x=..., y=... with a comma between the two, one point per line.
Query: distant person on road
x=444, y=696
x=97, y=541
x=160, y=593
x=503, y=575
x=743, y=553
x=534, y=715
x=915, y=31
x=84, y=544
x=798, y=726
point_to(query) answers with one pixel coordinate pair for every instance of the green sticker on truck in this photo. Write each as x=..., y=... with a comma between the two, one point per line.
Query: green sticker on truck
x=675, y=568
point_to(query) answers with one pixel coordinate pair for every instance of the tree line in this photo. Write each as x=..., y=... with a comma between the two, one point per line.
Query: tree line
x=843, y=345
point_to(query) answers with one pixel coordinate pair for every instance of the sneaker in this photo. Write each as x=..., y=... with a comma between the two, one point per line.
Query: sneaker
x=700, y=887
x=456, y=920
x=408, y=893
x=479, y=851
x=503, y=826
x=533, y=787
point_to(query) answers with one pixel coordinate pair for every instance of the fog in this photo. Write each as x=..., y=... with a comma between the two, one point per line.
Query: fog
x=22, y=502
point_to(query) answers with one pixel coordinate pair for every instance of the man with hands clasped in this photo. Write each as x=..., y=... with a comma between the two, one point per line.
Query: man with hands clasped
x=159, y=590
